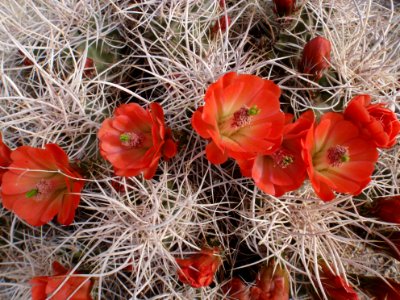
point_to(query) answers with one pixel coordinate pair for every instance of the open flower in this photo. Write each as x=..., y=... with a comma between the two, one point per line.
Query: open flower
x=283, y=170
x=199, y=269
x=236, y=289
x=284, y=7
x=379, y=289
x=5, y=157
x=134, y=140
x=335, y=286
x=387, y=209
x=376, y=121
x=242, y=117
x=272, y=283
x=338, y=158
x=40, y=184
x=316, y=57
x=69, y=286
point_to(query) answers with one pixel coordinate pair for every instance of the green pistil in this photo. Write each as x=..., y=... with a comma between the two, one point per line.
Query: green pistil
x=253, y=111
x=124, y=138
x=345, y=158
x=287, y=161
x=32, y=193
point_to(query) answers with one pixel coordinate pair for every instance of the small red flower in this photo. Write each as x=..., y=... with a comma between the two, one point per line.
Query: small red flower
x=5, y=157
x=40, y=184
x=222, y=24
x=284, y=7
x=134, y=140
x=272, y=283
x=378, y=289
x=338, y=158
x=375, y=121
x=71, y=287
x=236, y=289
x=387, y=209
x=316, y=57
x=284, y=170
x=242, y=117
x=89, y=68
x=199, y=269
x=335, y=286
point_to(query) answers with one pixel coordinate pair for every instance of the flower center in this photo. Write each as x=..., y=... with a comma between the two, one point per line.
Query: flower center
x=131, y=139
x=282, y=158
x=337, y=155
x=42, y=188
x=243, y=116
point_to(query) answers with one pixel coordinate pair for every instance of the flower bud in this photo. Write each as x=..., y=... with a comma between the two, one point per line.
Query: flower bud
x=316, y=57
x=284, y=7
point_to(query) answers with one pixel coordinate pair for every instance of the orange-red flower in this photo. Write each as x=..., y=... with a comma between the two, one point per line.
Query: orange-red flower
x=199, y=269
x=378, y=289
x=284, y=170
x=272, y=283
x=69, y=285
x=134, y=140
x=387, y=209
x=242, y=117
x=40, y=184
x=5, y=157
x=375, y=121
x=236, y=289
x=284, y=7
x=338, y=158
x=316, y=57
x=335, y=286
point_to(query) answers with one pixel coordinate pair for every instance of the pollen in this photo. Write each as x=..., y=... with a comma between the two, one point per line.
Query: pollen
x=337, y=155
x=241, y=118
x=131, y=139
x=282, y=158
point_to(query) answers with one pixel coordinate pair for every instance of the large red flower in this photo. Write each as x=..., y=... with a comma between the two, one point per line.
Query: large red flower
x=284, y=7
x=69, y=286
x=284, y=170
x=40, y=184
x=316, y=57
x=199, y=269
x=134, y=140
x=338, y=158
x=335, y=286
x=375, y=121
x=242, y=117
x=272, y=283
x=5, y=157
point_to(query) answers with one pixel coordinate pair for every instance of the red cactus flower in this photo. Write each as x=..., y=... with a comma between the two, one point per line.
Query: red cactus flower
x=71, y=287
x=236, y=289
x=40, y=184
x=338, y=158
x=199, y=269
x=375, y=121
x=242, y=117
x=316, y=57
x=272, y=283
x=335, y=286
x=284, y=170
x=379, y=289
x=134, y=140
x=284, y=7
x=387, y=209
x=5, y=157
